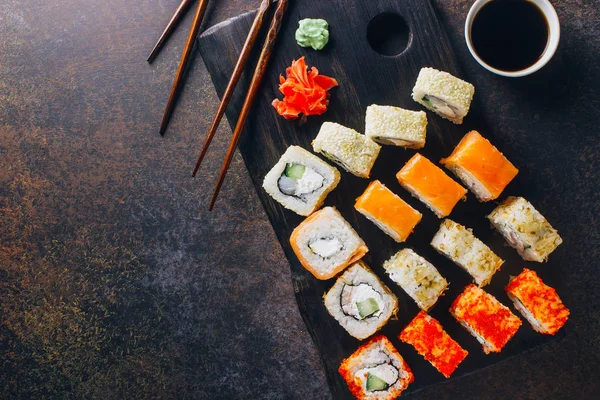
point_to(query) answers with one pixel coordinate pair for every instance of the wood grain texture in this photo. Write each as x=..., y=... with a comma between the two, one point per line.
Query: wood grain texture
x=367, y=77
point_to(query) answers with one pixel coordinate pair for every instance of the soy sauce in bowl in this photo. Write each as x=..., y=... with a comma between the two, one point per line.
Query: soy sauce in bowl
x=510, y=35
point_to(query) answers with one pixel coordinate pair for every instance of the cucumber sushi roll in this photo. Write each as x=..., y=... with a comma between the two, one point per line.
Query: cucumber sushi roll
x=444, y=94
x=325, y=243
x=360, y=302
x=300, y=181
x=376, y=371
x=396, y=126
x=349, y=149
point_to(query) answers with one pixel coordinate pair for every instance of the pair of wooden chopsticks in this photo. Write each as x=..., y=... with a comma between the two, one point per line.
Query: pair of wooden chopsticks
x=259, y=71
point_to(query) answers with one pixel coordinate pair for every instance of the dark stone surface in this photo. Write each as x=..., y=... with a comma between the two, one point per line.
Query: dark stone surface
x=115, y=282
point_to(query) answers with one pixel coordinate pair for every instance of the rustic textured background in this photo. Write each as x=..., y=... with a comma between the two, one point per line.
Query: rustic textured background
x=115, y=282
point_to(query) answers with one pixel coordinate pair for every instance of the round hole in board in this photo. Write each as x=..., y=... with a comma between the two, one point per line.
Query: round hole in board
x=388, y=34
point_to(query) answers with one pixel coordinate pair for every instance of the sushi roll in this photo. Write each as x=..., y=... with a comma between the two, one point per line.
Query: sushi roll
x=525, y=229
x=480, y=166
x=488, y=320
x=396, y=126
x=360, y=302
x=325, y=243
x=389, y=212
x=537, y=302
x=428, y=183
x=444, y=94
x=462, y=247
x=300, y=181
x=429, y=338
x=417, y=277
x=349, y=149
x=376, y=371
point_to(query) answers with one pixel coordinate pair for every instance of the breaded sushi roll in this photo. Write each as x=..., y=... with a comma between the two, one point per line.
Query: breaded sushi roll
x=360, y=302
x=428, y=183
x=376, y=371
x=525, y=229
x=300, y=181
x=537, y=302
x=349, y=149
x=325, y=243
x=462, y=247
x=429, y=338
x=389, y=212
x=444, y=94
x=480, y=166
x=417, y=277
x=488, y=320
x=396, y=126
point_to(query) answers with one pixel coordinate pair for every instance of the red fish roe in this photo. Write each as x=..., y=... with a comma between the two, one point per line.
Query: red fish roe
x=486, y=317
x=540, y=300
x=430, y=340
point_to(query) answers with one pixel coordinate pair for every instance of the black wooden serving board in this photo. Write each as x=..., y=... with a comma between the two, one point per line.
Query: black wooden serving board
x=365, y=78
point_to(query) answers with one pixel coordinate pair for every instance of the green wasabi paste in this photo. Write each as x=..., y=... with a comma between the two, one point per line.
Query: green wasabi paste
x=312, y=33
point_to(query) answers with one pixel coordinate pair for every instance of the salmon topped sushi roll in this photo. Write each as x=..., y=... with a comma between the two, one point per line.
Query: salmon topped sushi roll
x=376, y=371
x=428, y=183
x=480, y=166
x=488, y=320
x=537, y=302
x=429, y=338
x=388, y=211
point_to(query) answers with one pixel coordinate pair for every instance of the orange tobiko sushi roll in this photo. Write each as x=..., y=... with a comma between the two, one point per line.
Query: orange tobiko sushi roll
x=427, y=182
x=480, y=166
x=376, y=371
x=488, y=320
x=389, y=212
x=429, y=338
x=537, y=302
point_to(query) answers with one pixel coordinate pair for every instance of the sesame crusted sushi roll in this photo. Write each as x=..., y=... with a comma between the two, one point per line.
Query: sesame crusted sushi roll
x=537, y=302
x=349, y=149
x=360, y=302
x=325, y=243
x=417, y=276
x=376, y=371
x=428, y=183
x=396, y=126
x=300, y=181
x=389, y=212
x=462, y=247
x=525, y=229
x=444, y=94
x=488, y=320
x=429, y=338
x=480, y=166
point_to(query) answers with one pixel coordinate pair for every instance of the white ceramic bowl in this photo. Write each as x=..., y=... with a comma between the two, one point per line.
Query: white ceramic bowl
x=553, y=38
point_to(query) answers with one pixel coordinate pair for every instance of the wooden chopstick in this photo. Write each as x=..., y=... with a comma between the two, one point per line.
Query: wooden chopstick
x=170, y=27
x=187, y=51
x=235, y=77
x=263, y=61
